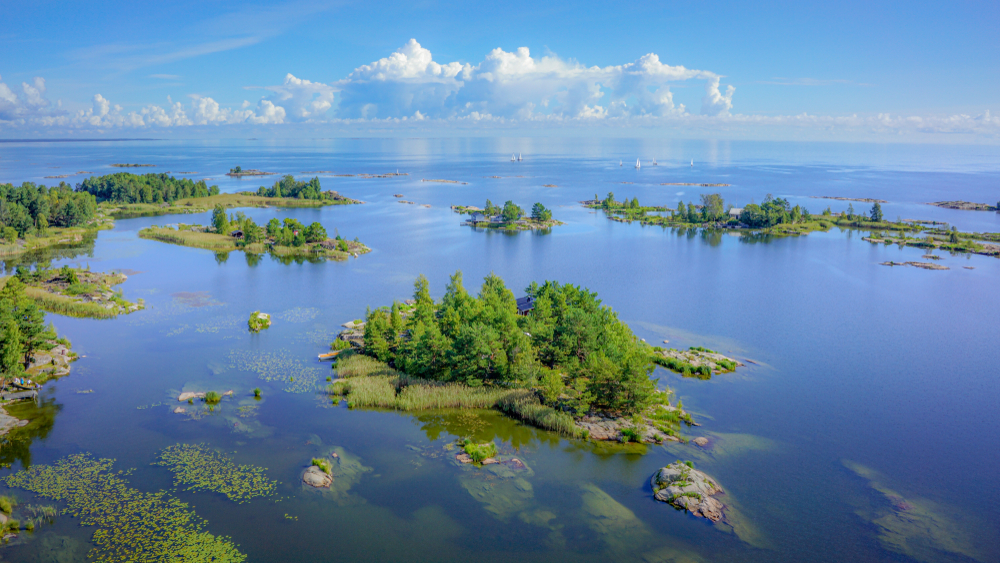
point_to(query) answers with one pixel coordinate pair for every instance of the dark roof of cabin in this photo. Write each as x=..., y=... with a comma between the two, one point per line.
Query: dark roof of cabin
x=525, y=304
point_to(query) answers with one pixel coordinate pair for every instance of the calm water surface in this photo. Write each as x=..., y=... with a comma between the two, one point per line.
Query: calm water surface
x=893, y=369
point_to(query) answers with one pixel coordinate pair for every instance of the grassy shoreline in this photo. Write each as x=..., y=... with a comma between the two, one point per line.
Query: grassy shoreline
x=194, y=236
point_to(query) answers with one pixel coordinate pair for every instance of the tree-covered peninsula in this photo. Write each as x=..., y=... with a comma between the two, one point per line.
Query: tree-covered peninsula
x=33, y=216
x=28, y=347
x=556, y=358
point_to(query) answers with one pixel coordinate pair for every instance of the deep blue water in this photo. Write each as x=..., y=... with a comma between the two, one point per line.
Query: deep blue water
x=890, y=368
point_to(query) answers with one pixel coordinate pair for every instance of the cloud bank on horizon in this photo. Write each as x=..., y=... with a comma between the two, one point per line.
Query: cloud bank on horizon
x=504, y=89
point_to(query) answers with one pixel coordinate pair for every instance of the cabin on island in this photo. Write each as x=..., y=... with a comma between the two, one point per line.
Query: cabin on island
x=237, y=234
x=525, y=305
x=477, y=217
x=734, y=212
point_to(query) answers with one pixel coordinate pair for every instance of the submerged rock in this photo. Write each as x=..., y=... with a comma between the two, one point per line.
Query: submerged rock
x=685, y=487
x=315, y=477
x=180, y=410
x=701, y=441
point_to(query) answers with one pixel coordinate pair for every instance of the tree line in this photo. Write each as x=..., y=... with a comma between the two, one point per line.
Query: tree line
x=289, y=232
x=22, y=329
x=713, y=209
x=288, y=186
x=572, y=347
x=125, y=187
x=511, y=212
x=30, y=210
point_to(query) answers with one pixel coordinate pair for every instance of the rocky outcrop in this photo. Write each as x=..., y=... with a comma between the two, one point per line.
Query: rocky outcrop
x=685, y=487
x=924, y=265
x=701, y=441
x=188, y=395
x=8, y=423
x=624, y=429
x=316, y=477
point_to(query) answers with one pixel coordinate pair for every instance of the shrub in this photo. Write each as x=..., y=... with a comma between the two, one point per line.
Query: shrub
x=480, y=452
x=212, y=397
x=323, y=464
x=7, y=504
x=256, y=392
x=339, y=344
x=631, y=435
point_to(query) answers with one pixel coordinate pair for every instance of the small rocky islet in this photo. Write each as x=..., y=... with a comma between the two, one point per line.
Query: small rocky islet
x=682, y=486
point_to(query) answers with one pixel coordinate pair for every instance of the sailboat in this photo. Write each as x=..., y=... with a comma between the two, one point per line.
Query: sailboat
x=512, y=157
x=654, y=162
x=519, y=157
x=619, y=163
x=637, y=163
x=692, y=162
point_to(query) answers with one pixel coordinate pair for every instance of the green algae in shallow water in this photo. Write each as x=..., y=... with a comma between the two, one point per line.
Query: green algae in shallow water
x=299, y=314
x=132, y=526
x=914, y=526
x=200, y=468
x=277, y=366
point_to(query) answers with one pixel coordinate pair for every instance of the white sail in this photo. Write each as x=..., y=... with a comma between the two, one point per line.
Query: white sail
x=619, y=163
x=512, y=157
x=692, y=162
x=654, y=162
x=637, y=163
x=519, y=157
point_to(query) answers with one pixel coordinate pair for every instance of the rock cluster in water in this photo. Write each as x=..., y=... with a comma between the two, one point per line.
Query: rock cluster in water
x=316, y=477
x=683, y=486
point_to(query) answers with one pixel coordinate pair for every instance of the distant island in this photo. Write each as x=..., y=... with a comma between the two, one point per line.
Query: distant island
x=238, y=172
x=239, y=232
x=133, y=165
x=776, y=216
x=510, y=217
x=966, y=205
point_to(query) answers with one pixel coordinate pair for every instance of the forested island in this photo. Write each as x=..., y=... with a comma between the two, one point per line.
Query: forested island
x=556, y=358
x=238, y=232
x=510, y=217
x=776, y=216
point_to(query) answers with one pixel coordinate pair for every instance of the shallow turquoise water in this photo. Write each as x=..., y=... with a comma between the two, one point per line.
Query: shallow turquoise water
x=891, y=368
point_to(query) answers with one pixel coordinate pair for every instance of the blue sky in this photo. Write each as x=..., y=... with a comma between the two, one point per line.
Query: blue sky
x=849, y=70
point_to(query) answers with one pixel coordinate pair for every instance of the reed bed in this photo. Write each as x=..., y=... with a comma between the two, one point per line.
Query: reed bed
x=525, y=406
x=210, y=241
x=352, y=364
x=63, y=305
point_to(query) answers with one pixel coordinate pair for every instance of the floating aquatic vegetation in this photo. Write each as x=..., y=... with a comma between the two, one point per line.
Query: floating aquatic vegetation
x=219, y=323
x=195, y=298
x=132, y=526
x=247, y=411
x=277, y=366
x=198, y=467
x=299, y=314
x=143, y=407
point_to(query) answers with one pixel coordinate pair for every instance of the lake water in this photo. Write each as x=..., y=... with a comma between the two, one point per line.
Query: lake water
x=855, y=364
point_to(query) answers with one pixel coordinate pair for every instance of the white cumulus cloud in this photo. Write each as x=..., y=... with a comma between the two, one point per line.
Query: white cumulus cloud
x=511, y=85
